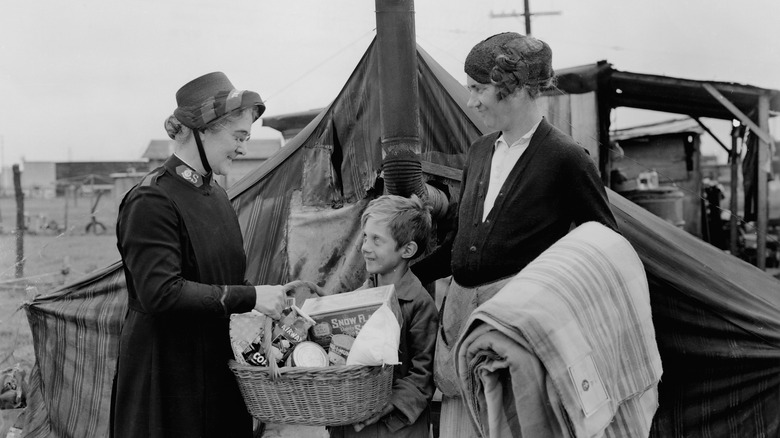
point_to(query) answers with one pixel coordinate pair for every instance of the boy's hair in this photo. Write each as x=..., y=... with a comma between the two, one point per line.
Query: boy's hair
x=409, y=219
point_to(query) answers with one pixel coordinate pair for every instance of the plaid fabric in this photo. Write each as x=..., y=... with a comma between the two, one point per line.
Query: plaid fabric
x=76, y=340
x=575, y=332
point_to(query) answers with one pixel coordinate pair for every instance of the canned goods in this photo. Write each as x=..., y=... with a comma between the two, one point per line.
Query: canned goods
x=321, y=334
x=308, y=354
x=340, y=345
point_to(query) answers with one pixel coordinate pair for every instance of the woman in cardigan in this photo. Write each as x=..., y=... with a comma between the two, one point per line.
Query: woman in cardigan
x=523, y=187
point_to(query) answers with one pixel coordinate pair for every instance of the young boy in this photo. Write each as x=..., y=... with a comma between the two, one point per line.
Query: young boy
x=395, y=230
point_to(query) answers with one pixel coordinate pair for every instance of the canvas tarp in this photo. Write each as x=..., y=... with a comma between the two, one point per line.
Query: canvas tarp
x=717, y=319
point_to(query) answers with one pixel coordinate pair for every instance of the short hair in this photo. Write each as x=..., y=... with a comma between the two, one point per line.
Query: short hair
x=409, y=219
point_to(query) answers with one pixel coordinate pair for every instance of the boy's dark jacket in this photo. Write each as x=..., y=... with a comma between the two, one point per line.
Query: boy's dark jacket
x=413, y=379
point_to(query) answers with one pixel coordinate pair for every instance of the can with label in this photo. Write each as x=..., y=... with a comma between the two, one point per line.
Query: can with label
x=340, y=345
x=321, y=334
x=308, y=354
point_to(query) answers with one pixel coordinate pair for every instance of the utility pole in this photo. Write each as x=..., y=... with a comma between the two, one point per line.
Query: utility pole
x=526, y=14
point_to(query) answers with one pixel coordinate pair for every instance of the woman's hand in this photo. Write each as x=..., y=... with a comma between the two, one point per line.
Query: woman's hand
x=269, y=300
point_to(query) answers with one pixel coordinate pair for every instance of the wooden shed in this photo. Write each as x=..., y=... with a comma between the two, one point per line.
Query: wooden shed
x=671, y=149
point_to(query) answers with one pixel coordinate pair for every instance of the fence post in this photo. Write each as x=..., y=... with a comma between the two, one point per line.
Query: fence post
x=19, y=222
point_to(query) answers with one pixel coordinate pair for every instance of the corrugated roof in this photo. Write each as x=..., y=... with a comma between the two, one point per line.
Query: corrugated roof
x=662, y=93
x=294, y=120
x=673, y=126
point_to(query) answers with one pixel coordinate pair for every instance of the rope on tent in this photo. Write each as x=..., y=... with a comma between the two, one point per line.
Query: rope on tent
x=316, y=67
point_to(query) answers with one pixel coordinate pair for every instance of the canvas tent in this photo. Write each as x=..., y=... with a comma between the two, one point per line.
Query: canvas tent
x=717, y=318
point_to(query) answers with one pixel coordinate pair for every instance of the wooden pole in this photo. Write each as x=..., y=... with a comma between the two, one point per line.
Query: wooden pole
x=19, y=222
x=733, y=206
x=762, y=211
x=526, y=15
x=68, y=189
x=761, y=130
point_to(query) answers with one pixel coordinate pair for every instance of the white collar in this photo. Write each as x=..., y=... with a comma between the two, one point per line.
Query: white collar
x=526, y=138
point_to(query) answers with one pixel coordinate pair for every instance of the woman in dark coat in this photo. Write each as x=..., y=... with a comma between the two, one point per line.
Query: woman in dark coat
x=184, y=263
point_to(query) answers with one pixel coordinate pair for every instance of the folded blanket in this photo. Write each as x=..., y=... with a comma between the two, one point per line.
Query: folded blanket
x=567, y=347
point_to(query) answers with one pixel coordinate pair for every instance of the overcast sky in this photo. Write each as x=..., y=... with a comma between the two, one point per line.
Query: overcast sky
x=87, y=80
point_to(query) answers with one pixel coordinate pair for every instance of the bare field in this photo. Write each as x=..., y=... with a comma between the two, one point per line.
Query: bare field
x=54, y=255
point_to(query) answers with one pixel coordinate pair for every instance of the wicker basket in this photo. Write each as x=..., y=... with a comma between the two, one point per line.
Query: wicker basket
x=313, y=396
x=321, y=396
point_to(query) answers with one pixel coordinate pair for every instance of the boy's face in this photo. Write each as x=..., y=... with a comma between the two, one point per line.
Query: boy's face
x=379, y=249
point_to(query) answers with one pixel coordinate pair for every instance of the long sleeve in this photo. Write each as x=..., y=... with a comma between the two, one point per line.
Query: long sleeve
x=438, y=264
x=413, y=392
x=588, y=198
x=150, y=240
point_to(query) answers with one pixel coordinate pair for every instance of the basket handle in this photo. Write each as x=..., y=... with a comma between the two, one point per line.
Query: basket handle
x=267, y=338
x=269, y=322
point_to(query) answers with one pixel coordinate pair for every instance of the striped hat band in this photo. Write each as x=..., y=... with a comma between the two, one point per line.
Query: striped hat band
x=209, y=97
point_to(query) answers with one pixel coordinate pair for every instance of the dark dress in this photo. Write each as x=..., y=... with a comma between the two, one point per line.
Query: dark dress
x=184, y=264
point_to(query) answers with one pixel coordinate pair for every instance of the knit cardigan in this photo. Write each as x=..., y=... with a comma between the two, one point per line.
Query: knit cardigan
x=553, y=185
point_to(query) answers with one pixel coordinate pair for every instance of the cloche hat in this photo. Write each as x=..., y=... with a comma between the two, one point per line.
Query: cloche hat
x=209, y=97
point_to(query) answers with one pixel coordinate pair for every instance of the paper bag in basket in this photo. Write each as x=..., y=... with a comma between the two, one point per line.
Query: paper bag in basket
x=246, y=338
x=378, y=340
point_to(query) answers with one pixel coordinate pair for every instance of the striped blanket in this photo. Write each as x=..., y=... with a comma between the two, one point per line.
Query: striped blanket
x=567, y=347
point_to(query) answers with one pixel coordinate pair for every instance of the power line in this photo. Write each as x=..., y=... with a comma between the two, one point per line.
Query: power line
x=311, y=70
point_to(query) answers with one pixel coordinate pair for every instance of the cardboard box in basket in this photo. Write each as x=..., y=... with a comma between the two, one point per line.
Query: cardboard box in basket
x=347, y=312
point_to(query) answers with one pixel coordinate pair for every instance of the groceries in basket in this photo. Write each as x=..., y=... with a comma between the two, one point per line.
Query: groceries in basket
x=291, y=330
x=304, y=389
x=308, y=354
x=247, y=331
x=246, y=338
x=339, y=348
x=378, y=340
x=347, y=315
x=352, y=328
